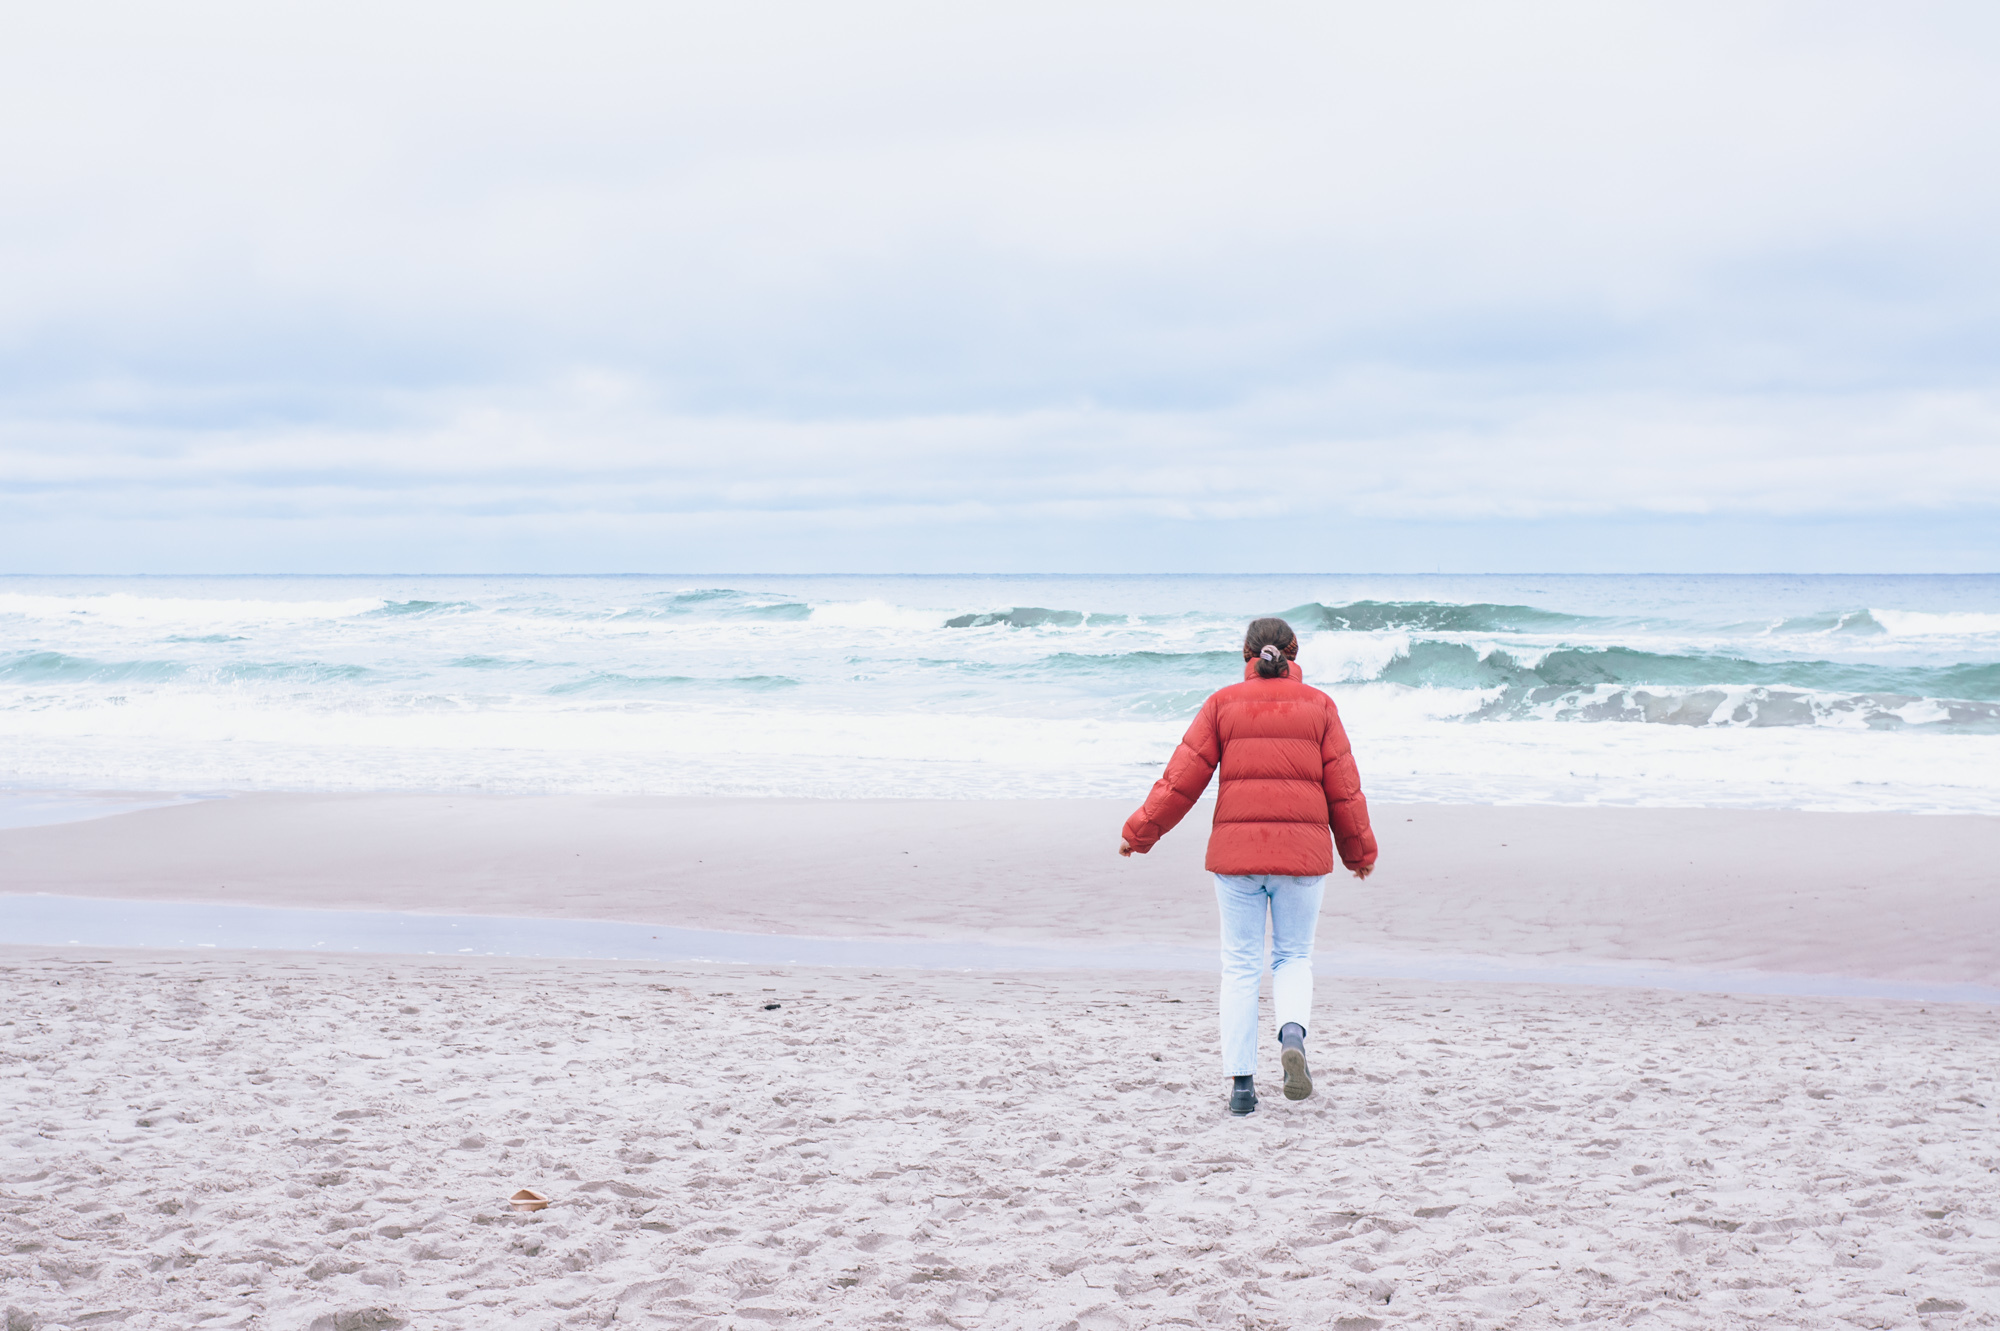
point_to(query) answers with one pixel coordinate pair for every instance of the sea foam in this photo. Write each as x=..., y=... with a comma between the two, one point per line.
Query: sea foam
x=1753, y=692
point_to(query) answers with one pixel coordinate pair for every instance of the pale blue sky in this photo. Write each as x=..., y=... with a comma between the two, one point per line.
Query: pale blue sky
x=1000, y=288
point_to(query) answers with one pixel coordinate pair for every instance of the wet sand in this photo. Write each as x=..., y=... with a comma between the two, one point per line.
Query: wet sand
x=1890, y=896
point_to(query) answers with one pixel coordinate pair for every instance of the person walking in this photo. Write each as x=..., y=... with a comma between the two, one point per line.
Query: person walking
x=1290, y=794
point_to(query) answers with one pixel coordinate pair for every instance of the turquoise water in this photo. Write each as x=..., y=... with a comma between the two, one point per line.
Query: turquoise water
x=1816, y=692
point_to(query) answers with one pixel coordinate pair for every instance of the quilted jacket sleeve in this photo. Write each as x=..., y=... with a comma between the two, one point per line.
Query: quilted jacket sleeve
x=1346, y=806
x=1188, y=774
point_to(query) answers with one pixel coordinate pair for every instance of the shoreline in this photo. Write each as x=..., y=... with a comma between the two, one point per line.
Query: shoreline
x=48, y=927
x=1887, y=897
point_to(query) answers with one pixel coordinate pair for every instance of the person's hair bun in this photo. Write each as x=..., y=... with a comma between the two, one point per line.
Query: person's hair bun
x=1272, y=644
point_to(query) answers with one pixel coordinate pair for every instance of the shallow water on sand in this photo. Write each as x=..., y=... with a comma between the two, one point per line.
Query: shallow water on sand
x=96, y=922
x=45, y=808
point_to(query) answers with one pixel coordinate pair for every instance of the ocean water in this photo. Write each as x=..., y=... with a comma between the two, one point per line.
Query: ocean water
x=1789, y=692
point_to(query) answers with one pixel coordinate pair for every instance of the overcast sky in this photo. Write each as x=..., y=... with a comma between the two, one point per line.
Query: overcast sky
x=940, y=287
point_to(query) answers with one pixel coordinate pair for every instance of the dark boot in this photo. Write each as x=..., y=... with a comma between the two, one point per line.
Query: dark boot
x=1243, y=1096
x=1298, y=1077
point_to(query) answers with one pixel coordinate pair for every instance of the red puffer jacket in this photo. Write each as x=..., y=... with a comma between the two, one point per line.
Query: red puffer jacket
x=1287, y=778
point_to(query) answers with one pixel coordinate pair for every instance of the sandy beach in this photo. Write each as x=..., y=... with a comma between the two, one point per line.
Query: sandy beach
x=304, y=1142
x=307, y=1142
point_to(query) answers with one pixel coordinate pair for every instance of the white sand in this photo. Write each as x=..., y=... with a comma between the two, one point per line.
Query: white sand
x=304, y=1142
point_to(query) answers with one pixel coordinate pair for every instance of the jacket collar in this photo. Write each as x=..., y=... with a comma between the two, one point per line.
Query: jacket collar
x=1250, y=672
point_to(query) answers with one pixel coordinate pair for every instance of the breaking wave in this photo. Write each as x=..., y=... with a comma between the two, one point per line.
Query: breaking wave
x=1429, y=617
x=717, y=603
x=1754, y=707
x=401, y=609
x=32, y=668
x=1030, y=617
x=1622, y=684
x=1856, y=623
x=1604, y=684
x=62, y=668
x=1456, y=665
x=1352, y=617
x=1214, y=666
x=608, y=683
x=1919, y=624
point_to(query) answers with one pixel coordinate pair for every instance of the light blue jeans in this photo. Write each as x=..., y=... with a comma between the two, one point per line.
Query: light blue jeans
x=1293, y=907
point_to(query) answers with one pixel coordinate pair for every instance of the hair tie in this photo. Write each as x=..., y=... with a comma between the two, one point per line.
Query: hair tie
x=1269, y=653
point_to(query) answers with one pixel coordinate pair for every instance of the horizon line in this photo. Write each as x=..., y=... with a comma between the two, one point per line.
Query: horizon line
x=848, y=573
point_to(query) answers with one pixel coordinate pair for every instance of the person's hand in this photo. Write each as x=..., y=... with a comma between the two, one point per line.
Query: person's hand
x=1124, y=847
x=1364, y=871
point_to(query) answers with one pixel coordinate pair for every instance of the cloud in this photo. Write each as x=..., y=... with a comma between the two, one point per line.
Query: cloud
x=921, y=270
x=1373, y=449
